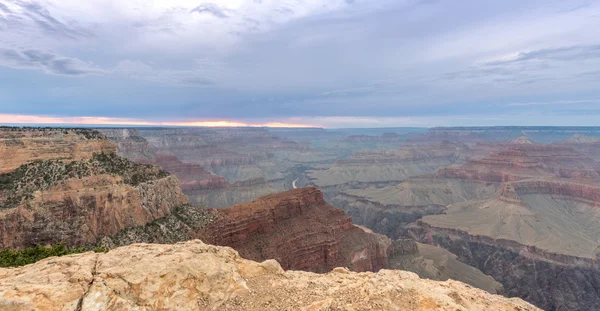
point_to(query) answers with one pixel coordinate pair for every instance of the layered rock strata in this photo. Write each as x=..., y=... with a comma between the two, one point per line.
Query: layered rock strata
x=24, y=145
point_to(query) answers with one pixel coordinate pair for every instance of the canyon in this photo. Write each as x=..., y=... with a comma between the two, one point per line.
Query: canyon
x=522, y=212
x=509, y=210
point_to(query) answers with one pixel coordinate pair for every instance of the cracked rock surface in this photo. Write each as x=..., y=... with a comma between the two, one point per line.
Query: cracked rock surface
x=197, y=276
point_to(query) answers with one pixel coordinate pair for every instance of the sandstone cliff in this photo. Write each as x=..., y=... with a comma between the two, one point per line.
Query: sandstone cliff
x=68, y=185
x=77, y=202
x=196, y=276
x=23, y=145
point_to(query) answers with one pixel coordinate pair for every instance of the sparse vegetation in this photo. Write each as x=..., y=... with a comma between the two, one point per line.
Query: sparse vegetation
x=86, y=133
x=20, y=184
x=172, y=228
x=16, y=258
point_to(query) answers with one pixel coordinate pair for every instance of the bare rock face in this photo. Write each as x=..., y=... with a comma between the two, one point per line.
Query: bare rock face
x=23, y=145
x=197, y=276
x=300, y=230
x=79, y=211
x=69, y=186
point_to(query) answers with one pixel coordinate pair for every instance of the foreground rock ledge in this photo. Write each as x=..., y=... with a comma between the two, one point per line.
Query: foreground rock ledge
x=197, y=276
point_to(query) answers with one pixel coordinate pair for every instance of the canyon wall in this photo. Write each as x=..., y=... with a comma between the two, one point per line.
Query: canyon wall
x=551, y=282
x=79, y=211
x=215, y=167
x=67, y=185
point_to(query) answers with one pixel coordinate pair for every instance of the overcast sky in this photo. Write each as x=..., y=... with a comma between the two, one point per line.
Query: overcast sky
x=336, y=63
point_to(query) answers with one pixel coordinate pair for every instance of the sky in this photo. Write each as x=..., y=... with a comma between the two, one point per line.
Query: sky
x=334, y=63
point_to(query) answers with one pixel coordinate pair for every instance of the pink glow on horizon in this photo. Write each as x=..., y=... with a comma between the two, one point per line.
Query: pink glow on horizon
x=30, y=119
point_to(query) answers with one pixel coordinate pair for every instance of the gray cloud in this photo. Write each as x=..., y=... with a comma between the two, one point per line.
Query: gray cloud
x=194, y=80
x=557, y=102
x=211, y=9
x=36, y=59
x=277, y=59
x=141, y=71
x=41, y=17
x=565, y=54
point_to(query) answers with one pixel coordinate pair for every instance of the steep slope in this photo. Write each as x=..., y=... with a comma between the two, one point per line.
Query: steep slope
x=23, y=145
x=80, y=196
x=196, y=276
x=300, y=230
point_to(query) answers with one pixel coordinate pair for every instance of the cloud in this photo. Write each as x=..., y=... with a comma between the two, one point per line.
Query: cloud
x=558, y=102
x=279, y=59
x=572, y=53
x=50, y=63
x=87, y=120
x=141, y=71
x=210, y=8
x=4, y=8
x=41, y=17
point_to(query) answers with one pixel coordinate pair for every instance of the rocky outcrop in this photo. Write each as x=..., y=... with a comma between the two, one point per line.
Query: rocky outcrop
x=20, y=146
x=300, y=230
x=196, y=276
x=70, y=187
x=79, y=211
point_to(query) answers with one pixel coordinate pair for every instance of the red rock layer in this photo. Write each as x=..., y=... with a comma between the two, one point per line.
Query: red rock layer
x=589, y=194
x=525, y=161
x=300, y=230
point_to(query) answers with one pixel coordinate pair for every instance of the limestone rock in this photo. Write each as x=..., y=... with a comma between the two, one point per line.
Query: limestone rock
x=197, y=276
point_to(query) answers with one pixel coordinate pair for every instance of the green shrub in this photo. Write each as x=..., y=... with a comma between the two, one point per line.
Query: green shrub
x=16, y=258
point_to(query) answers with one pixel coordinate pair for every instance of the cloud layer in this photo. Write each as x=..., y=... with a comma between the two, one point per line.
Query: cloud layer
x=327, y=63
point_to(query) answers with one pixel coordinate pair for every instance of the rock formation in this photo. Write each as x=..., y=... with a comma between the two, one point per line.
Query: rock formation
x=64, y=188
x=197, y=276
x=300, y=230
x=24, y=145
